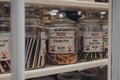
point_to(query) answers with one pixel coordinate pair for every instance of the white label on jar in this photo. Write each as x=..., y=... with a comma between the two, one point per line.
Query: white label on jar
x=105, y=36
x=4, y=46
x=93, y=42
x=43, y=43
x=105, y=39
x=61, y=42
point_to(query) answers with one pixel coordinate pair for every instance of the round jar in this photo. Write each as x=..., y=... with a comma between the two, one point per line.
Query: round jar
x=104, y=24
x=62, y=41
x=90, y=38
x=69, y=76
x=90, y=74
x=103, y=75
x=44, y=78
x=35, y=43
x=5, y=48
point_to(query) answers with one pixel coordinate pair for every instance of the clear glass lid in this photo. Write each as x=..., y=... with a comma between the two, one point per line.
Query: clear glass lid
x=63, y=21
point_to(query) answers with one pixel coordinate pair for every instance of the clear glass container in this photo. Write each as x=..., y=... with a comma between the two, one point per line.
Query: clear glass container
x=44, y=78
x=5, y=47
x=35, y=41
x=5, y=63
x=104, y=24
x=90, y=38
x=69, y=76
x=90, y=74
x=62, y=41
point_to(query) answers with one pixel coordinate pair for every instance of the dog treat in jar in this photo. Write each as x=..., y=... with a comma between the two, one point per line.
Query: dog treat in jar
x=90, y=38
x=62, y=41
x=104, y=24
x=35, y=43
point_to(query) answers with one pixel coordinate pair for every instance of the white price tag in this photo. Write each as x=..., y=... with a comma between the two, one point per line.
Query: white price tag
x=4, y=46
x=93, y=42
x=61, y=42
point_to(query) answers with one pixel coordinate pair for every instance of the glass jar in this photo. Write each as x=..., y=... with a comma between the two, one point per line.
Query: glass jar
x=44, y=78
x=5, y=47
x=62, y=41
x=69, y=76
x=90, y=38
x=103, y=75
x=5, y=63
x=90, y=74
x=35, y=42
x=104, y=24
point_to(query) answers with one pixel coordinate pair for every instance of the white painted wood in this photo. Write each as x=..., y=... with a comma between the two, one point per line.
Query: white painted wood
x=110, y=41
x=49, y=70
x=18, y=36
x=68, y=3
x=116, y=40
x=17, y=39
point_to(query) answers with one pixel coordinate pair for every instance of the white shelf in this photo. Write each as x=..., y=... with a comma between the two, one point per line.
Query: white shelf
x=68, y=4
x=59, y=69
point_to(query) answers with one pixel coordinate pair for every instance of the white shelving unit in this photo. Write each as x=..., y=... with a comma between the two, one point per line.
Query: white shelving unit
x=48, y=70
x=67, y=4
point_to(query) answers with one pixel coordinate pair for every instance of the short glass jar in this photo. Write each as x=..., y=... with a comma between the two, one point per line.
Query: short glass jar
x=62, y=41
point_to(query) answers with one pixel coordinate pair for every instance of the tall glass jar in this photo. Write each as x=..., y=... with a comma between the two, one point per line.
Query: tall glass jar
x=35, y=41
x=90, y=74
x=62, y=41
x=5, y=63
x=69, y=76
x=4, y=47
x=104, y=24
x=90, y=38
